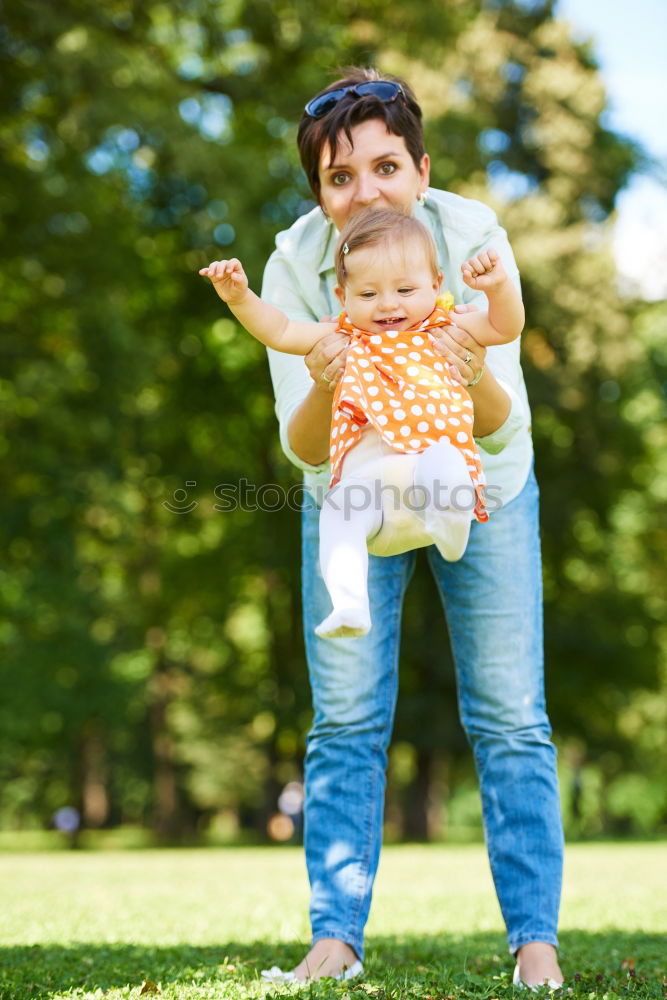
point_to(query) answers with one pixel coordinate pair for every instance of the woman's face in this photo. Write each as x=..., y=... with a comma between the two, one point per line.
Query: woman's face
x=375, y=169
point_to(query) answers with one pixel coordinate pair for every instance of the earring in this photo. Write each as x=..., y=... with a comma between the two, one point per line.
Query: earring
x=421, y=200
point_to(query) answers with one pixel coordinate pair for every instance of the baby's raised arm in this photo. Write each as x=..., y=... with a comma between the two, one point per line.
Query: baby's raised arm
x=261, y=319
x=505, y=317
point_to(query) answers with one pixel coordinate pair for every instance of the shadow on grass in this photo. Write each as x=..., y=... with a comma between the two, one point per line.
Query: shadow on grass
x=612, y=962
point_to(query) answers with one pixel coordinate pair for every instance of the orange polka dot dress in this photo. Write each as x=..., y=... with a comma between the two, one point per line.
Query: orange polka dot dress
x=396, y=382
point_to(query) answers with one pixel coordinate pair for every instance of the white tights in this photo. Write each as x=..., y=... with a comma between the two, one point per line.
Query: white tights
x=351, y=517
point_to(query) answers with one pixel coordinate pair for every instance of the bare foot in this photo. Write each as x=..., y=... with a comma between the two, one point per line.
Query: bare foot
x=538, y=963
x=327, y=957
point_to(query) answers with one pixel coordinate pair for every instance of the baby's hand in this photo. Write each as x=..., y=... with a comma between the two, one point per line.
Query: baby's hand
x=229, y=279
x=485, y=271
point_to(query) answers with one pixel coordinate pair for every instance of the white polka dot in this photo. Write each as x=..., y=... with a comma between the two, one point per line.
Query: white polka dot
x=430, y=408
x=382, y=419
x=434, y=393
x=399, y=359
x=467, y=418
x=423, y=381
x=417, y=410
x=462, y=437
x=405, y=431
x=348, y=378
x=375, y=359
x=343, y=427
x=439, y=424
x=369, y=376
x=334, y=432
x=354, y=427
x=457, y=395
x=377, y=406
x=333, y=450
x=387, y=350
x=355, y=388
x=390, y=435
x=412, y=370
x=438, y=367
x=364, y=362
x=415, y=442
x=376, y=339
x=393, y=401
x=422, y=426
x=417, y=341
x=415, y=356
x=392, y=333
x=442, y=408
x=399, y=414
x=372, y=390
x=402, y=347
x=455, y=422
x=468, y=404
x=408, y=394
x=357, y=349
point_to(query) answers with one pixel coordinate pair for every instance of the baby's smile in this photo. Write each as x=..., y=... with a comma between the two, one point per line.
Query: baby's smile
x=390, y=322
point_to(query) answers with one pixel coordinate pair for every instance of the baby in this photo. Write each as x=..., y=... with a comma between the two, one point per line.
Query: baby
x=402, y=449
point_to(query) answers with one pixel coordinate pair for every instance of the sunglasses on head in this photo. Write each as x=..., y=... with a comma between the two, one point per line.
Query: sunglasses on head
x=385, y=90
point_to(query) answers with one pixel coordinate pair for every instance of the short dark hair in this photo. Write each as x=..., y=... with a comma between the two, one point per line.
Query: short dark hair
x=374, y=227
x=402, y=117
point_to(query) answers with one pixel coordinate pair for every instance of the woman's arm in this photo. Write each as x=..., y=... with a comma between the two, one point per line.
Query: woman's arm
x=466, y=359
x=309, y=427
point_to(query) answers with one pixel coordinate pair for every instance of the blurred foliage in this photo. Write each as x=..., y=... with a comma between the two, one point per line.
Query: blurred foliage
x=150, y=643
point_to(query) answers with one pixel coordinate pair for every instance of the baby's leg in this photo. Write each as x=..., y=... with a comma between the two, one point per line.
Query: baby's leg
x=348, y=518
x=442, y=474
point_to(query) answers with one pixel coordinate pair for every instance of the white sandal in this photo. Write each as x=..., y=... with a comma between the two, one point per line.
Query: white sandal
x=276, y=974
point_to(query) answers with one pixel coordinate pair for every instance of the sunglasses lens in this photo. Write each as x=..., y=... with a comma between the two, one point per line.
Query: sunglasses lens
x=385, y=90
x=322, y=105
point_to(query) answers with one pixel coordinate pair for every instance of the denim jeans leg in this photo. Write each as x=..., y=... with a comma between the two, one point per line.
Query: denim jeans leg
x=354, y=684
x=493, y=603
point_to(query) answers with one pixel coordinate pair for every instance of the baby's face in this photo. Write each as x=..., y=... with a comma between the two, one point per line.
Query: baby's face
x=389, y=287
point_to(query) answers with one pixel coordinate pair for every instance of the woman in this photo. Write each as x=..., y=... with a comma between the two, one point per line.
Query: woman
x=361, y=145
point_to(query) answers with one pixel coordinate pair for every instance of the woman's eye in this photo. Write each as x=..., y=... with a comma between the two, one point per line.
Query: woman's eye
x=339, y=179
x=387, y=168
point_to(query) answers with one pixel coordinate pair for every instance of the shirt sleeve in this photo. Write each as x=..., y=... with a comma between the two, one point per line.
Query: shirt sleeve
x=289, y=375
x=495, y=442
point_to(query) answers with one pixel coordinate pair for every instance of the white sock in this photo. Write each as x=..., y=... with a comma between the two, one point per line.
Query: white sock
x=344, y=557
x=443, y=476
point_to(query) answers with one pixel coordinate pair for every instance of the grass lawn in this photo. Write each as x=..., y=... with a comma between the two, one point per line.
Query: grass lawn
x=202, y=923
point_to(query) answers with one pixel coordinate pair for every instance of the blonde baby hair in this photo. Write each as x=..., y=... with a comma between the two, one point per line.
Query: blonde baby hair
x=375, y=227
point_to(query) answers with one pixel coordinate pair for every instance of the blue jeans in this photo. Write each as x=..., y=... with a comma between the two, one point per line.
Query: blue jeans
x=493, y=603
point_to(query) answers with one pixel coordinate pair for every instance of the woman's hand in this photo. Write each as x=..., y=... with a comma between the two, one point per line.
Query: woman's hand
x=326, y=360
x=464, y=356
